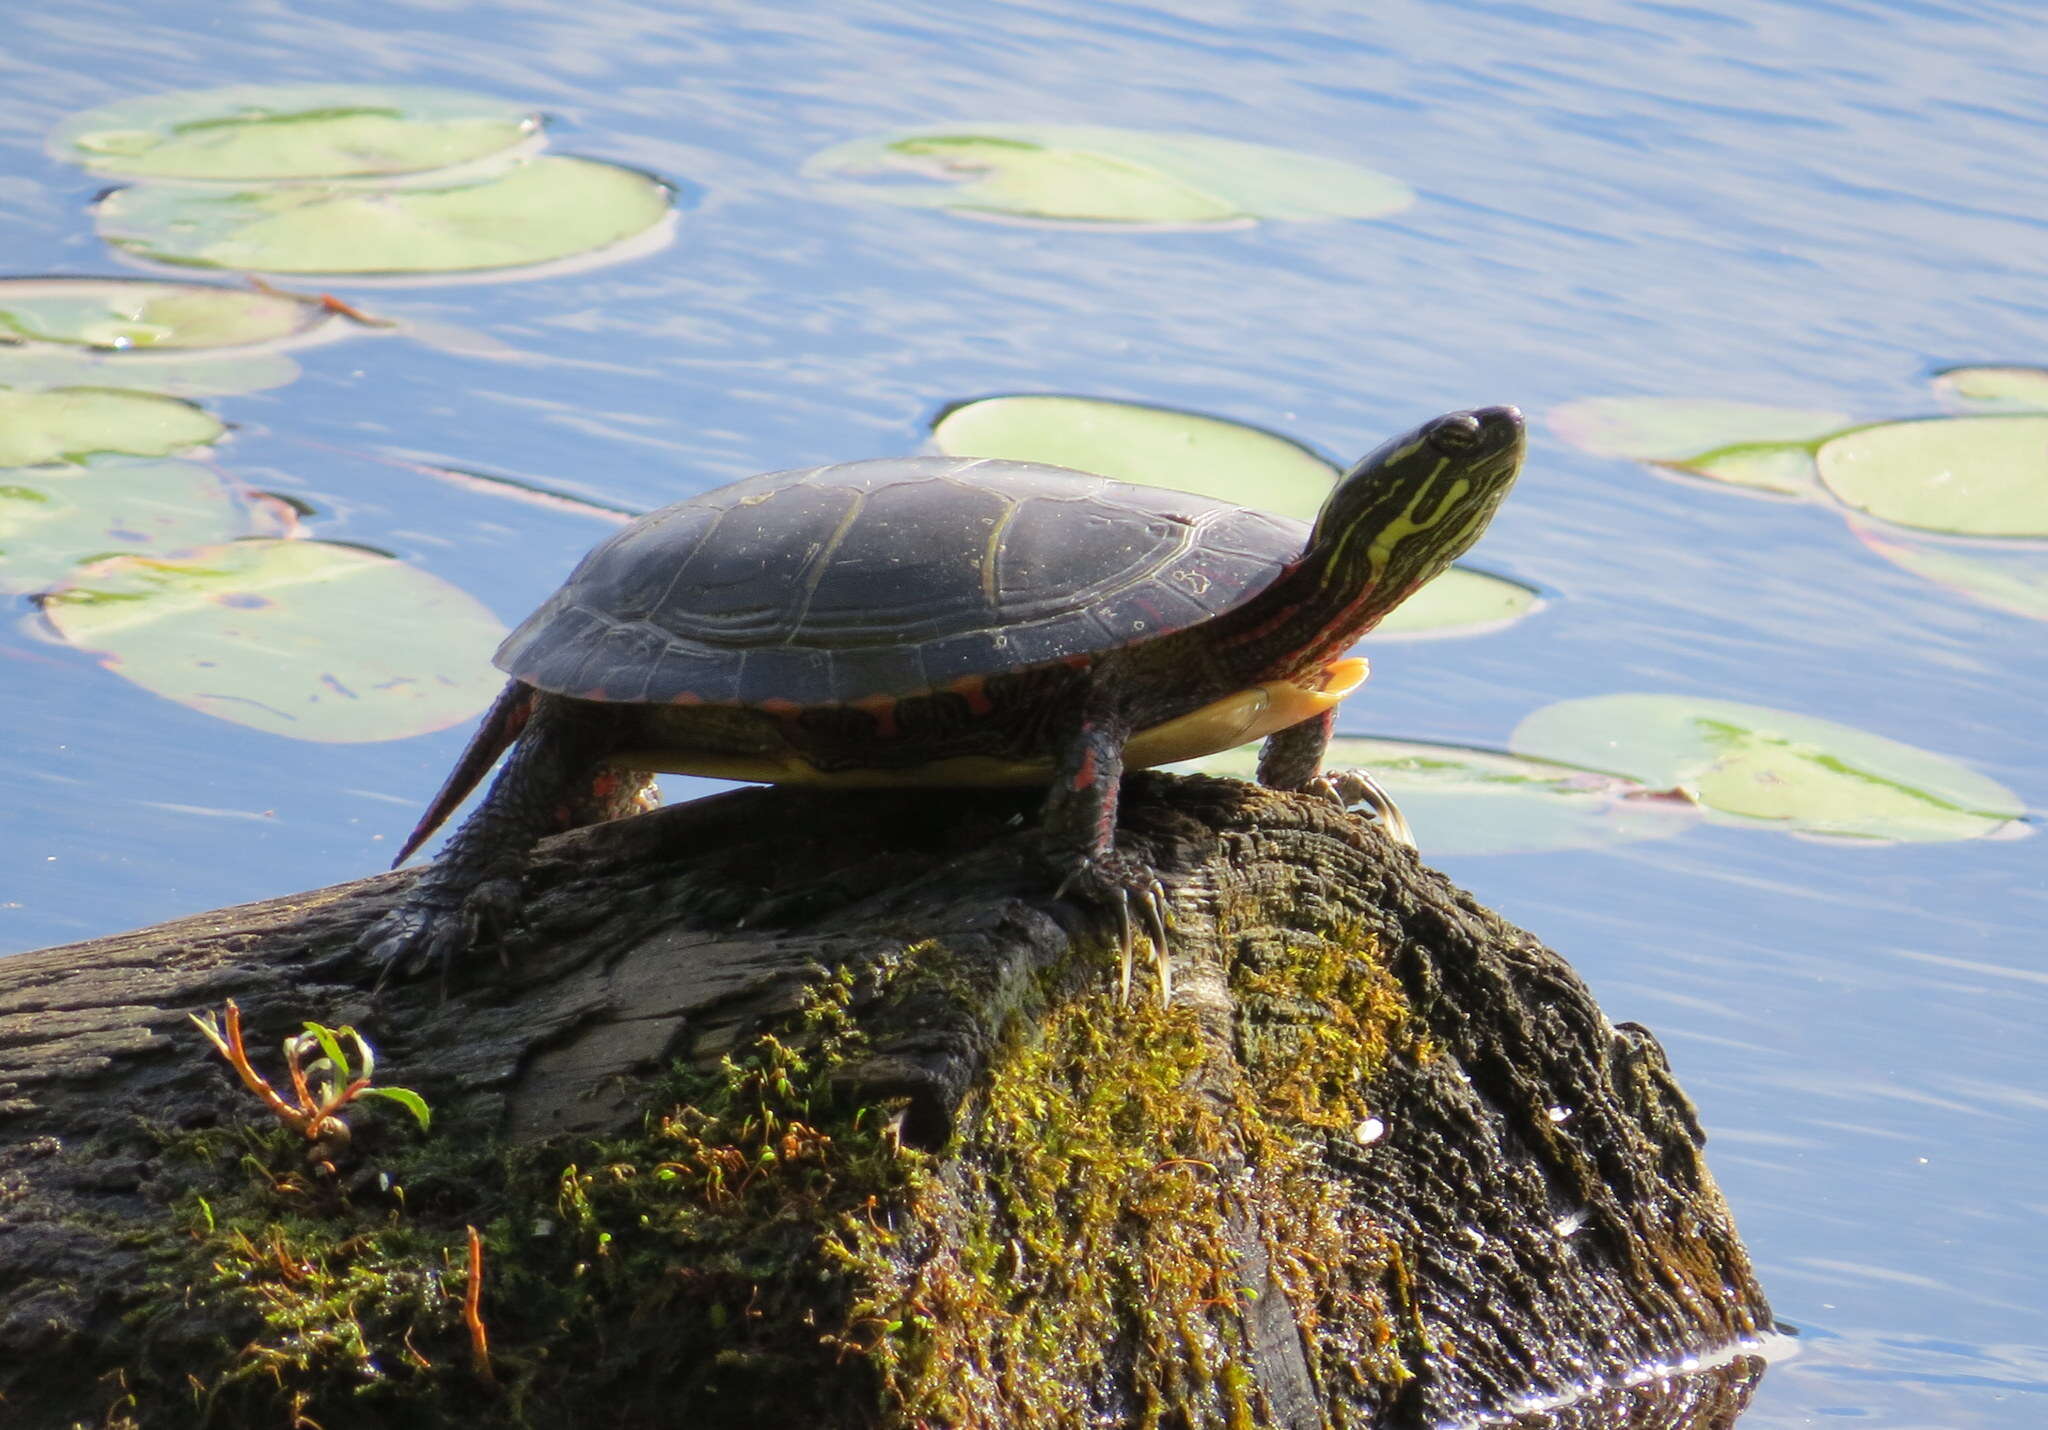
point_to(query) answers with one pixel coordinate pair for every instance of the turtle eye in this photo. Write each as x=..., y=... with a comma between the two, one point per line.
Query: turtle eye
x=1459, y=432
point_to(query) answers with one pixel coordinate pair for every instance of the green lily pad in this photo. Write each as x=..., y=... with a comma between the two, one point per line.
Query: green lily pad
x=291, y=131
x=2006, y=580
x=1968, y=476
x=1461, y=602
x=1461, y=800
x=1109, y=178
x=1995, y=388
x=1683, y=431
x=537, y=212
x=53, y=519
x=174, y=374
x=69, y=424
x=1752, y=765
x=128, y=314
x=1781, y=468
x=306, y=639
x=1230, y=461
x=1154, y=446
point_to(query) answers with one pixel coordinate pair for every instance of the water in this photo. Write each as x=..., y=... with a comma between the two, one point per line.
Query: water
x=1805, y=204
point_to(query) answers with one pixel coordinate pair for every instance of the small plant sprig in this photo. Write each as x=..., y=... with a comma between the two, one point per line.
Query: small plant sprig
x=322, y=1088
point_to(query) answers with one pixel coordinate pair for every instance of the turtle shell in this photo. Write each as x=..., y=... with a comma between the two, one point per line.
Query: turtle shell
x=886, y=578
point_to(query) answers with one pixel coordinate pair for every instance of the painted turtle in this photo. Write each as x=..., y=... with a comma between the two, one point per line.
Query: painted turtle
x=936, y=620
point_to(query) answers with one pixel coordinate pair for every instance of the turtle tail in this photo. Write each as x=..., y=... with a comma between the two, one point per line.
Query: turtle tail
x=502, y=724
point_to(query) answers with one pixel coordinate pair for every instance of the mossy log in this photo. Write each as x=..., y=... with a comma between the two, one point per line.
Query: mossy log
x=793, y=1108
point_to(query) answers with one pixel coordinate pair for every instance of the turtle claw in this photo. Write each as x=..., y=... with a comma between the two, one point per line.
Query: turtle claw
x=1127, y=948
x=1152, y=906
x=1349, y=789
x=1139, y=900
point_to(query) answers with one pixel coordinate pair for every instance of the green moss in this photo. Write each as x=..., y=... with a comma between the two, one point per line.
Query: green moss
x=624, y=1272
x=1122, y=1185
x=1087, y=1252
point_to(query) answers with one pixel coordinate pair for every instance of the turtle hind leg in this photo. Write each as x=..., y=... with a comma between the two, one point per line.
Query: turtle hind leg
x=1079, y=826
x=555, y=779
x=1292, y=759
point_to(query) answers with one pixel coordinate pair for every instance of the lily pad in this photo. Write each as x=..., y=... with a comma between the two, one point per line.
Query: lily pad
x=1680, y=431
x=54, y=519
x=1230, y=461
x=69, y=424
x=1781, y=468
x=1461, y=800
x=306, y=639
x=291, y=131
x=1154, y=446
x=2007, y=580
x=1106, y=178
x=174, y=374
x=1752, y=765
x=537, y=212
x=1461, y=602
x=140, y=335
x=1968, y=476
x=129, y=314
x=1995, y=388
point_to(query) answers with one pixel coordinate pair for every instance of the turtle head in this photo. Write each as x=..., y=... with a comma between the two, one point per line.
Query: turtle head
x=1414, y=505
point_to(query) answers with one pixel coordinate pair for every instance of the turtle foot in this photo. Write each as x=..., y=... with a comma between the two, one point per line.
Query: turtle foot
x=1138, y=899
x=433, y=928
x=1349, y=789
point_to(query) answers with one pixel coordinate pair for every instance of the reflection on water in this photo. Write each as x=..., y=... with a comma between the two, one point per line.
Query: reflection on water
x=1801, y=205
x=1709, y=1398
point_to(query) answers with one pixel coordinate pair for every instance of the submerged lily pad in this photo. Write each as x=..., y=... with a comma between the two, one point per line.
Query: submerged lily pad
x=537, y=212
x=291, y=131
x=1153, y=446
x=2006, y=580
x=1230, y=461
x=174, y=374
x=54, y=519
x=1969, y=476
x=69, y=424
x=1749, y=764
x=1679, y=431
x=1995, y=388
x=1461, y=800
x=128, y=314
x=1108, y=178
x=299, y=638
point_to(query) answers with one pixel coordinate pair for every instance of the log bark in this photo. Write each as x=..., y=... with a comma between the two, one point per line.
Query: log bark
x=820, y=1106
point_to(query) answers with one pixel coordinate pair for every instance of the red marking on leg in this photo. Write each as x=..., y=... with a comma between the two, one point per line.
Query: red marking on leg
x=1084, y=777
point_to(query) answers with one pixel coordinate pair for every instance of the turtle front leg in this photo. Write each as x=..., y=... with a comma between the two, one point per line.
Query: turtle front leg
x=554, y=779
x=1292, y=759
x=1079, y=824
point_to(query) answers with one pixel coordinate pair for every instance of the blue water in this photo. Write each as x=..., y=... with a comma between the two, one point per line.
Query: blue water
x=1805, y=204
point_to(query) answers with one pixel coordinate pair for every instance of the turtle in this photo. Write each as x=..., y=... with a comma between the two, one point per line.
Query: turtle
x=935, y=620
